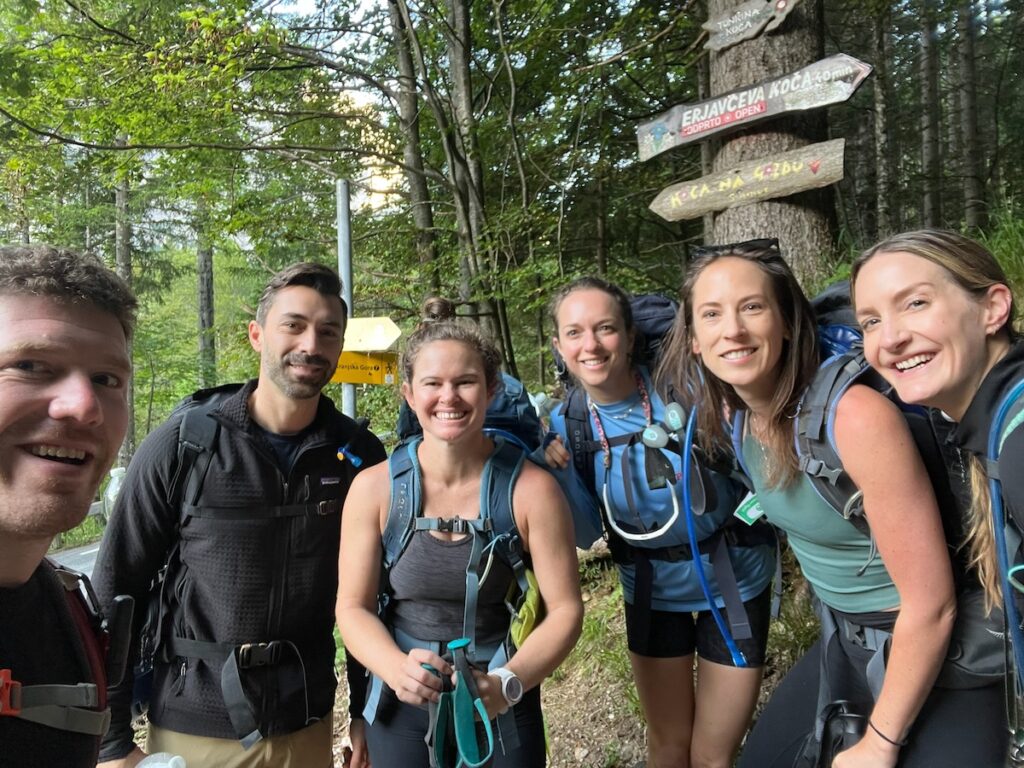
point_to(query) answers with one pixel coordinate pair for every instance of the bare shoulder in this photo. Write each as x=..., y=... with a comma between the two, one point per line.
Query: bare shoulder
x=863, y=411
x=536, y=480
x=372, y=480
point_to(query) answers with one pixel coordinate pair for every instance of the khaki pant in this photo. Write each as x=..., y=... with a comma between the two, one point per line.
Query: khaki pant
x=308, y=748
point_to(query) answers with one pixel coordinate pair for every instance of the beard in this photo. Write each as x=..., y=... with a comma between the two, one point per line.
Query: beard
x=294, y=385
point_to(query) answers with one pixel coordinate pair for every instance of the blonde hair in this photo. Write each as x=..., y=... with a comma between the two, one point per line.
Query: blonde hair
x=974, y=269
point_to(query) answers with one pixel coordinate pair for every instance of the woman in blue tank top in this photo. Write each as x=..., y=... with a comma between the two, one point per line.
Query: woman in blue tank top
x=746, y=338
x=691, y=719
x=450, y=371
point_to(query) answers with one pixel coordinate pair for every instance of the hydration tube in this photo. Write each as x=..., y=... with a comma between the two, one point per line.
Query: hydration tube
x=640, y=536
x=737, y=655
x=998, y=523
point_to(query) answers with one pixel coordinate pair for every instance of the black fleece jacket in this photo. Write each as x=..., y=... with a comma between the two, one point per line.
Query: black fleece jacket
x=972, y=431
x=239, y=581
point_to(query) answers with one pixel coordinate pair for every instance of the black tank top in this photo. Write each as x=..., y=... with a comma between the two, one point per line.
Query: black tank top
x=429, y=591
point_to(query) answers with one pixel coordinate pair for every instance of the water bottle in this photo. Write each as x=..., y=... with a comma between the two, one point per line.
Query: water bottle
x=162, y=759
x=110, y=494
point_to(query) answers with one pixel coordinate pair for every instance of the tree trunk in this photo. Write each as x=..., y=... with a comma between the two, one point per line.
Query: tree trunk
x=931, y=172
x=123, y=258
x=805, y=222
x=204, y=297
x=975, y=214
x=884, y=219
x=412, y=152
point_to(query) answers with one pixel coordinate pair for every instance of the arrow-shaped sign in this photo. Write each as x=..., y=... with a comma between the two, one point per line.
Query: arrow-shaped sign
x=829, y=81
x=816, y=165
x=370, y=334
x=746, y=21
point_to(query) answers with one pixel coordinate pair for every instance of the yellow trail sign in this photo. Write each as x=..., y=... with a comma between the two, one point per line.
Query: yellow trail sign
x=370, y=334
x=366, y=368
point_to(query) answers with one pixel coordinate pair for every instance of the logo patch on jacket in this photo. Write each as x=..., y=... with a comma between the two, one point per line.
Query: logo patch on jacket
x=330, y=480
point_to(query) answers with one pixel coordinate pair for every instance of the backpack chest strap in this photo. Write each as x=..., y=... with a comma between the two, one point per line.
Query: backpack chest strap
x=310, y=509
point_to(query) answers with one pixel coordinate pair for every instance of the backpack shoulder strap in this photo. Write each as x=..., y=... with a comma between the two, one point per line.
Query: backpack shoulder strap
x=82, y=707
x=1009, y=416
x=581, y=443
x=406, y=501
x=197, y=438
x=815, y=435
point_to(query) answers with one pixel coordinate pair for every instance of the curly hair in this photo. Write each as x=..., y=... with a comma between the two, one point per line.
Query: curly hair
x=66, y=276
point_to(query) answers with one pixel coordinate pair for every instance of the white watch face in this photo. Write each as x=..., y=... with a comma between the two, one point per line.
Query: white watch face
x=512, y=689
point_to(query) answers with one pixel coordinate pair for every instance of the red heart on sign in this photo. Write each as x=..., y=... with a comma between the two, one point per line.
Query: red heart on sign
x=815, y=165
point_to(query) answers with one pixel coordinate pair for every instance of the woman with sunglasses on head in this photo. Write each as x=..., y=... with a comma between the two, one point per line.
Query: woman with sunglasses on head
x=691, y=720
x=746, y=337
x=450, y=372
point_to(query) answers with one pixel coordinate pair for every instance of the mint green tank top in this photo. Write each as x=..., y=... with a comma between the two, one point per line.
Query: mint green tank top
x=832, y=553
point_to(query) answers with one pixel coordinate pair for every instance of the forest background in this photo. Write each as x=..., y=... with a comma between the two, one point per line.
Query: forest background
x=491, y=149
x=490, y=146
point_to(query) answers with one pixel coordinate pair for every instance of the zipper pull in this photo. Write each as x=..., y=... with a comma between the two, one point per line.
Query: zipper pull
x=179, y=684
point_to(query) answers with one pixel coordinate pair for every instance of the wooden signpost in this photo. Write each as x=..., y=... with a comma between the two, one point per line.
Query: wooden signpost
x=829, y=81
x=746, y=21
x=810, y=167
x=367, y=368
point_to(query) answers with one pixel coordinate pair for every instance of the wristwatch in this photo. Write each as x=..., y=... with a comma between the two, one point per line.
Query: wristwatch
x=511, y=686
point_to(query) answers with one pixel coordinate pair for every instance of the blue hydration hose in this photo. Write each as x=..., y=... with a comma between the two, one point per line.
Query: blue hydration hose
x=738, y=658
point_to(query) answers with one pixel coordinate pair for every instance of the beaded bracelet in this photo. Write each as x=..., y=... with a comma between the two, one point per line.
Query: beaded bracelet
x=884, y=737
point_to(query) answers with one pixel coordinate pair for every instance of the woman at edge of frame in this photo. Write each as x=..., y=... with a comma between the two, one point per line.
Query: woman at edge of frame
x=746, y=337
x=938, y=318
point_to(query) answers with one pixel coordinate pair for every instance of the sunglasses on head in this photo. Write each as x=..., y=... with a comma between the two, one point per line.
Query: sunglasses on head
x=746, y=246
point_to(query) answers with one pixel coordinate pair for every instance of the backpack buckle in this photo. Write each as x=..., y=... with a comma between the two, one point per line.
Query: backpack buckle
x=453, y=525
x=259, y=654
x=10, y=694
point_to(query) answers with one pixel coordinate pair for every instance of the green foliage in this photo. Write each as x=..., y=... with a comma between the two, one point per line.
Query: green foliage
x=88, y=531
x=601, y=649
x=1006, y=241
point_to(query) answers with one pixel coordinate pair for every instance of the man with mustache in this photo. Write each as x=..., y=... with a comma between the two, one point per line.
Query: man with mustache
x=247, y=532
x=65, y=326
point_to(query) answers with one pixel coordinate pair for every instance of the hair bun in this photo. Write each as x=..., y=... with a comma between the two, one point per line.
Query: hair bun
x=438, y=310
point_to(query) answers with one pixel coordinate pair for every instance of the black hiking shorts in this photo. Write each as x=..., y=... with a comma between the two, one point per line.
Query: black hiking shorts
x=673, y=634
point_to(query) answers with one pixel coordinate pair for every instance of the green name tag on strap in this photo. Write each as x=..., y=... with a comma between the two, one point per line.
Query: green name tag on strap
x=749, y=509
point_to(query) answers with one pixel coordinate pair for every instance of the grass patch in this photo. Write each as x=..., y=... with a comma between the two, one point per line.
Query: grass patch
x=601, y=650
x=90, y=531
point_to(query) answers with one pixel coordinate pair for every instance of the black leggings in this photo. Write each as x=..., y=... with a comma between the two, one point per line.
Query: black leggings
x=395, y=739
x=955, y=728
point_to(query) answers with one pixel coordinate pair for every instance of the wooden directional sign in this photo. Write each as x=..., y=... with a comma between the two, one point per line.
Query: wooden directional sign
x=816, y=165
x=370, y=334
x=747, y=21
x=829, y=81
x=367, y=368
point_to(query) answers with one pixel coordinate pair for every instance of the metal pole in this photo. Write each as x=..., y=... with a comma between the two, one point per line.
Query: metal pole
x=348, y=391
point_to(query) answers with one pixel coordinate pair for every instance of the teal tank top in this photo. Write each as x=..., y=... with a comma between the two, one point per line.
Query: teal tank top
x=834, y=556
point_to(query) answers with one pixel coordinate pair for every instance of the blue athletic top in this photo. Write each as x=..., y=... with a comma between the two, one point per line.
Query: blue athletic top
x=835, y=557
x=676, y=586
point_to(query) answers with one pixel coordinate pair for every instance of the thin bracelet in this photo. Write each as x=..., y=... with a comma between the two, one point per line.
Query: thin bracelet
x=884, y=737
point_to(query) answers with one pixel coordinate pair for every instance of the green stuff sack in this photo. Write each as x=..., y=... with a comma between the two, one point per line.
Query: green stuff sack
x=531, y=611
